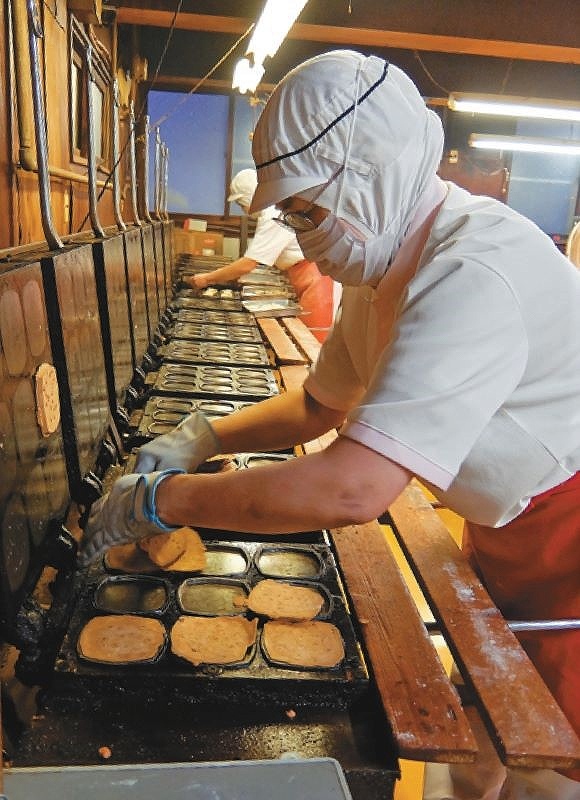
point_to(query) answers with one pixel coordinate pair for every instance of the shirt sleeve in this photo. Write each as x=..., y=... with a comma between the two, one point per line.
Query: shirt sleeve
x=269, y=242
x=333, y=380
x=460, y=351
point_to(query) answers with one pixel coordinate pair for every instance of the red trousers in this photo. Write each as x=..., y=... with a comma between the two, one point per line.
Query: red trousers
x=314, y=293
x=531, y=569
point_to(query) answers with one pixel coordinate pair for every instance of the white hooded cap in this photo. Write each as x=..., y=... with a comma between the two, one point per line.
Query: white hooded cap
x=243, y=186
x=396, y=146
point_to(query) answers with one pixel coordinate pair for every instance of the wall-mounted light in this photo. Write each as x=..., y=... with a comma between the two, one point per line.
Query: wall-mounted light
x=526, y=144
x=506, y=106
x=275, y=21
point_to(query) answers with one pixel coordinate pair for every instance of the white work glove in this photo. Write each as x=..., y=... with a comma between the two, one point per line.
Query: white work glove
x=189, y=445
x=127, y=513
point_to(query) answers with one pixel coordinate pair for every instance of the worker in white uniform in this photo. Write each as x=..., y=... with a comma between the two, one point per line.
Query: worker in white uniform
x=277, y=246
x=455, y=358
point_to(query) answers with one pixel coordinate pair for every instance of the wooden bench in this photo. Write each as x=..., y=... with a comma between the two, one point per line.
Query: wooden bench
x=422, y=705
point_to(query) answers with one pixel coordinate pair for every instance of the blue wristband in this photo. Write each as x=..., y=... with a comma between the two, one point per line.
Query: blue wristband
x=149, y=505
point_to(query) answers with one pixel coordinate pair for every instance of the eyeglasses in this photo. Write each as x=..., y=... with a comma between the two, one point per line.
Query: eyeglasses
x=299, y=221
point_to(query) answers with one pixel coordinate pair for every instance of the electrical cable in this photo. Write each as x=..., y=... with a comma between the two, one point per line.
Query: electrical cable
x=428, y=74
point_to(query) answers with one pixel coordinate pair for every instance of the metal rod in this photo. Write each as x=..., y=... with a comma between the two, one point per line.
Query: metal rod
x=157, y=181
x=132, y=166
x=145, y=185
x=115, y=154
x=165, y=180
x=34, y=33
x=519, y=626
x=92, y=165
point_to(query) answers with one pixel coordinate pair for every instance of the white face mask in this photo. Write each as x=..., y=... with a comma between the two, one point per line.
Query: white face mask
x=345, y=253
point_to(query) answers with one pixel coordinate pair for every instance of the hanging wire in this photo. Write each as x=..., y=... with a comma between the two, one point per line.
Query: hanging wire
x=506, y=76
x=169, y=114
x=201, y=81
x=163, y=52
x=428, y=74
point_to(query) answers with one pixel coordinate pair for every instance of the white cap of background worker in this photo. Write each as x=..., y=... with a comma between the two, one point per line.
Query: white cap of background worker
x=242, y=188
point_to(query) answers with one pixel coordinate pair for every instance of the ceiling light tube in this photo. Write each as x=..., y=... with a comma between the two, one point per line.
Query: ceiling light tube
x=506, y=106
x=526, y=144
x=247, y=76
x=274, y=23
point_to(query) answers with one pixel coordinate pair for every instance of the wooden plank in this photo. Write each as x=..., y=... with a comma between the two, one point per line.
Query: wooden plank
x=420, y=702
x=303, y=337
x=525, y=722
x=284, y=348
x=293, y=376
x=365, y=37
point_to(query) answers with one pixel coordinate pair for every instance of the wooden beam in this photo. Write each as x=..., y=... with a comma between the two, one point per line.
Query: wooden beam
x=366, y=37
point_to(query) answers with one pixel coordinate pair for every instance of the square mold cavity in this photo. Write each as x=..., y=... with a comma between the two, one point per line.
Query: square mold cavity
x=210, y=597
x=132, y=594
x=302, y=563
x=222, y=560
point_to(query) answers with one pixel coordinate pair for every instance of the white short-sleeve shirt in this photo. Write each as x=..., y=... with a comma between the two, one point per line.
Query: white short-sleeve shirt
x=477, y=391
x=272, y=244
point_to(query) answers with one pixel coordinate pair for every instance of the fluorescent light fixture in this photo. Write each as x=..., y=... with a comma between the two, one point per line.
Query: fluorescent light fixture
x=505, y=106
x=270, y=31
x=525, y=144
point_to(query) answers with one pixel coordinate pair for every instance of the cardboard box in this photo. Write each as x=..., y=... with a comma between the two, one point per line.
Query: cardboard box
x=191, y=224
x=198, y=243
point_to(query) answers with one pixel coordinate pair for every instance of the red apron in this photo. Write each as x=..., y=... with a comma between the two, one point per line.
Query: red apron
x=531, y=569
x=314, y=293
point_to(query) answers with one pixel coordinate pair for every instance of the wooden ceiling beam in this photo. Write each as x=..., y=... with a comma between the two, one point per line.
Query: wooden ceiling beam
x=332, y=34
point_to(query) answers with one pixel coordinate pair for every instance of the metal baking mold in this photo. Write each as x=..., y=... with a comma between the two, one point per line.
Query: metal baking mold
x=303, y=563
x=232, y=353
x=207, y=304
x=132, y=594
x=212, y=596
x=205, y=317
x=216, y=333
x=211, y=380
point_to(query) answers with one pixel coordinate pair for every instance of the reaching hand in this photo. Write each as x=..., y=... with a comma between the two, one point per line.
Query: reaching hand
x=190, y=444
x=127, y=513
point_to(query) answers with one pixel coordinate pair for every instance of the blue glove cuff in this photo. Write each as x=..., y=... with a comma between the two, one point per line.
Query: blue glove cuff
x=149, y=504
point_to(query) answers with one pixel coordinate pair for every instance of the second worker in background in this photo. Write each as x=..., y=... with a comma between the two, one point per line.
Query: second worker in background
x=276, y=246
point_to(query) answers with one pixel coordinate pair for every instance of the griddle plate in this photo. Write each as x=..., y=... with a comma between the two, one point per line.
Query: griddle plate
x=255, y=680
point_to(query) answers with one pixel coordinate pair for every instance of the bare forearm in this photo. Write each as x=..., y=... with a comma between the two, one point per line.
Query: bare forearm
x=230, y=272
x=345, y=484
x=275, y=424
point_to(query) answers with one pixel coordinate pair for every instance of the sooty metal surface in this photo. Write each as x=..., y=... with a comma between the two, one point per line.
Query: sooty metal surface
x=197, y=331
x=254, y=679
x=233, y=354
x=153, y=277
x=116, y=329
x=34, y=485
x=159, y=251
x=215, y=381
x=153, y=731
x=137, y=295
x=75, y=333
